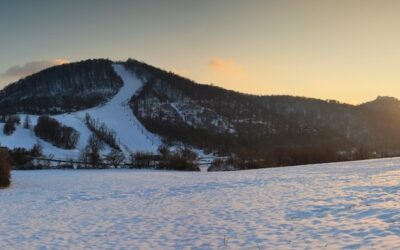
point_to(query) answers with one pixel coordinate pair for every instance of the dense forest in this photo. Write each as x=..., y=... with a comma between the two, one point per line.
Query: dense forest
x=228, y=122
x=286, y=130
x=49, y=129
x=62, y=88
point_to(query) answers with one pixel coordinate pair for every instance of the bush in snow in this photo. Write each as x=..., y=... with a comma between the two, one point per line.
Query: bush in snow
x=177, y=162
x=217, y=165
x=143, y=160
x=9, y=128
x=10, y=124
x=5, y=168
x=188, y=154
x=183, y=160
x=51, y=130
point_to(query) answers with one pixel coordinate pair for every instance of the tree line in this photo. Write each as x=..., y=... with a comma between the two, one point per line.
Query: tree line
x=281, y=157
x=103, y=133
x=182, y=159
x=51, y=130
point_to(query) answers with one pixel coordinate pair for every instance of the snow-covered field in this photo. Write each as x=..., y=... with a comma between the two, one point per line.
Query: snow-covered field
x=328, y=206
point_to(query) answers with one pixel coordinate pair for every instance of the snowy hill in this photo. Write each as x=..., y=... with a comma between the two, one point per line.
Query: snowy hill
x=60, y=89
x=115, y=113
x=144, y=106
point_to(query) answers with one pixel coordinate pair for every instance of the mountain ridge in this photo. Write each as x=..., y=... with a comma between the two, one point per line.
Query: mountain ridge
x=223, y=122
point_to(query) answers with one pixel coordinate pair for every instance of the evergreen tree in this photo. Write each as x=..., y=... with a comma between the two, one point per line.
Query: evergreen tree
x=9, y=126
x=27, y=122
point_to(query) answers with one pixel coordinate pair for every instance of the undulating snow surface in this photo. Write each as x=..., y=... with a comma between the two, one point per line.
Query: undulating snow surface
x=328, y=206
x=116, y=114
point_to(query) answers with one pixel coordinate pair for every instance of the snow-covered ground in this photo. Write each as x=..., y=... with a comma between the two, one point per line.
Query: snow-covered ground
x=116, y=114
x=329, y=206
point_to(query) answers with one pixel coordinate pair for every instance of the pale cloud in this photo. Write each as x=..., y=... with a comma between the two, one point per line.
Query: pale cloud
x=226, y=66
x=29, y=68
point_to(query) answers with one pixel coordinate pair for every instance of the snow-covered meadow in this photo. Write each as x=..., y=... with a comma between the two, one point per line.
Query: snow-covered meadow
x=329, y=206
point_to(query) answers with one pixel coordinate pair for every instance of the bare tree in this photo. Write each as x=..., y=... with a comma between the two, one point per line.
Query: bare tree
x=115, y=158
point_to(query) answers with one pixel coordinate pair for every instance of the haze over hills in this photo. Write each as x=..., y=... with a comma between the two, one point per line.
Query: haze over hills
x=144, y=106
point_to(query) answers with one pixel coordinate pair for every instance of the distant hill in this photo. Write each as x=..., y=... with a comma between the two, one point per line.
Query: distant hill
x=61, y=89
x=177, y=110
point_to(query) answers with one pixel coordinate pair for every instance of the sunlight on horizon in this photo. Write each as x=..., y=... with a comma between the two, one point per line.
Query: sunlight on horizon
x=342, y=50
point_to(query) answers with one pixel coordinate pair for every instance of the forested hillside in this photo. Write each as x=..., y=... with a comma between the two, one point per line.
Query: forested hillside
x=215, y=118
x=61, y=89
x=157, y=105
x=260, y=126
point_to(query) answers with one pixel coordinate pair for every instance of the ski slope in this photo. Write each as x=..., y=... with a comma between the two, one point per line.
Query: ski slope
x=353, y=205
x=116, y=114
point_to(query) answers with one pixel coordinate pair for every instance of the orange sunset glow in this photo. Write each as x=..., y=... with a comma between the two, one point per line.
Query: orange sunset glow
x=342, y=50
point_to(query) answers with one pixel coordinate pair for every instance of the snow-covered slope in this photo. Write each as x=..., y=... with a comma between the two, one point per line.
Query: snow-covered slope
x=25, y=138
x=116, y=114
x=352, y=205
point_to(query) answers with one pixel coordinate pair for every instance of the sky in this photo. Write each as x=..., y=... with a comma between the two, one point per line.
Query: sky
x=347, y=50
